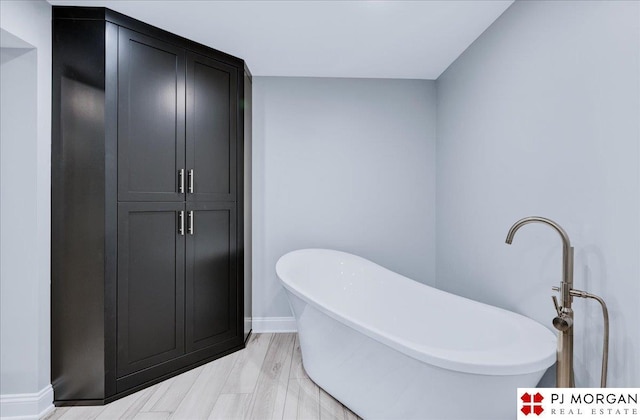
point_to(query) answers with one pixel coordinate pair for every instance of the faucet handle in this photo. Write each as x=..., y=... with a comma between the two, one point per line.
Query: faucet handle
x=555, y=303
x=555, y=288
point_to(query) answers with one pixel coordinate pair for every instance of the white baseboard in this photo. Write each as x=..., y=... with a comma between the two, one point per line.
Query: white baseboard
x=27, y=406
x=276, y=324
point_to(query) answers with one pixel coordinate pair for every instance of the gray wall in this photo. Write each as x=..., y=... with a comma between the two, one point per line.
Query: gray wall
x=25, y=185
x=18, y=278
x=540, y=117
x=347, y=164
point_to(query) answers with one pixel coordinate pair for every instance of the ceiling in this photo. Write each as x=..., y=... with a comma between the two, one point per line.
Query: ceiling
x=372, y=39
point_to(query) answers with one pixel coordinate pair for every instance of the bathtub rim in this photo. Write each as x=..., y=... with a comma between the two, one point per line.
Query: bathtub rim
x=411, y=349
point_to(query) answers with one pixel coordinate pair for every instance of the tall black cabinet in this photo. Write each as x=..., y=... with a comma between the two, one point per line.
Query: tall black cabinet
x=150, y=202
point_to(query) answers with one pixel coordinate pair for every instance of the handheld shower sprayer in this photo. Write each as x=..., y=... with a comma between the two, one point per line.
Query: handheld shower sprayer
x=562, y=322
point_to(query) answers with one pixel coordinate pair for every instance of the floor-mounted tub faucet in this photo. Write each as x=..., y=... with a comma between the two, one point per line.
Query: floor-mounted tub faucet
x=563, y=322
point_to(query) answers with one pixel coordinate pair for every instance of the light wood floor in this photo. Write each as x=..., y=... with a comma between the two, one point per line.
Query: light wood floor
x=264, y=381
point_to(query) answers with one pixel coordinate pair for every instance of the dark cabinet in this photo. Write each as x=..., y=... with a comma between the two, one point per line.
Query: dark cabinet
x=211, y=317
x=151, y=118
x=150, y=202
x=212, y=100
x=155, y=115
x=151, y=273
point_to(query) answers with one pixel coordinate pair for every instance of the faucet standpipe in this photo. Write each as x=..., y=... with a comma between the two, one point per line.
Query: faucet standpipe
x=605, y=332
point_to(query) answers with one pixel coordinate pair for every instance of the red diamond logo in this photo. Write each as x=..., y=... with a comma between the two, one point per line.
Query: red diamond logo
x=532, y=404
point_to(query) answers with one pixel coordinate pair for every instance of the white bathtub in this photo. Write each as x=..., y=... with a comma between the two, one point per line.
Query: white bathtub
x=391, y=348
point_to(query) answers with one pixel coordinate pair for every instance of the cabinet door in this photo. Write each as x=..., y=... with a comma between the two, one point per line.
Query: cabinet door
x=212, y=108
x=151, y=111
x=212, y=284
x=150, y=285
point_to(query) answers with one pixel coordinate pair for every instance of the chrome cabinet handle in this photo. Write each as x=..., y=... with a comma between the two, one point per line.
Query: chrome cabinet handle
x=181, y=223
x=191, y=181
x=191, y=230
x=181, y=181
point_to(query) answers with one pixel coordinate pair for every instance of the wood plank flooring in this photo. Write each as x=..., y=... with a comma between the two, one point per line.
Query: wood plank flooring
x=264, y=381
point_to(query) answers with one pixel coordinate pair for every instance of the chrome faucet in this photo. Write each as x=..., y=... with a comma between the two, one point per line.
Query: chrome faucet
x=563, y=322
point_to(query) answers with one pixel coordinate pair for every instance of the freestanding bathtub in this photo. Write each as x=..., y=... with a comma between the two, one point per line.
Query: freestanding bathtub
x=389, y=347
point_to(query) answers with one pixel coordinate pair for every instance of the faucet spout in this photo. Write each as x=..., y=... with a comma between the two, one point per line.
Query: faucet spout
x=566, y=243
x=567, y=253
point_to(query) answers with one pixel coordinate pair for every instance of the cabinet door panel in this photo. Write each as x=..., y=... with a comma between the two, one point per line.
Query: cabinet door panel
x=212, y=301
x=150, y=285
x=151, y=103
x=211, y=128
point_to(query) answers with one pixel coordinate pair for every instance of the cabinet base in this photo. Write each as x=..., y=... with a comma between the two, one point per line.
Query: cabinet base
x=117, y=396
